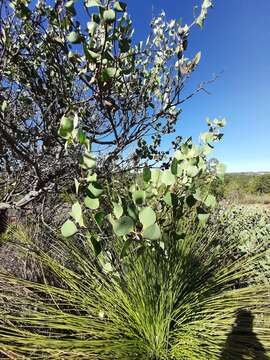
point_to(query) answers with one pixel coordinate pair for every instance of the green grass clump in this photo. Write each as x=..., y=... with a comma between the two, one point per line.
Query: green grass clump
x=177, y=302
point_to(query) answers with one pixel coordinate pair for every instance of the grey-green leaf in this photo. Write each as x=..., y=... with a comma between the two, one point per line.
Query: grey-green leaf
x=197, y=58
x=91, y=203
x=192, y=170
x=152, y=232
x=92, y=3
x=76, y=213
x=210, y=201
x=117, y=210
x=123, y=226
x=74, y=37
x=96, y=189
x=68, y=228
x=89, y=160
x=109, y=73
x=138, y=197
x=67, y=124
x=168, y=178
x=99, y=217
x=77, y=186
x=171, y=199
x=109, y=15
x=147, y=217
x=155, y=176
x=91, y=27
x=146, y=174
x=120, y=6
x=203, y=218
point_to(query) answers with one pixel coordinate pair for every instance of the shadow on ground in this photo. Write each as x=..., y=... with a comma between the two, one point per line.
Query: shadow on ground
x=242, y=343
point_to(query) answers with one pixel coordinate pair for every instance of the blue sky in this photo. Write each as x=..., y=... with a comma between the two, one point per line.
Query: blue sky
x=235, y=40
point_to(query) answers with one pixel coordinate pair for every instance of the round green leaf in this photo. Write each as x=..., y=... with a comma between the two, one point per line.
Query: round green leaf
x=111, y=219
x=155, y=176
x=152, y=232
x=171, y=199
x=92, y=55
x=192, y=170
x=117, y=210
x=120, y=6
x=4, y=106
x=95, y=242
x=191, y=201
x=89, y=160
x=67, y=124
x=76, y=213
x=91, y=177
x=74, y=37
x=109, y=73
x=99, y=217
x=107, y=268
x=203, y=218
x=92, y=3
x=147, y=217
x=210, y=201
x=68, y=228
x=146, y=174
x=70, y=7
x=63, y=133
x=179, y=155
x=109, y=15
x=91, y=203
x=138, y=197
x=197, y=58
x=92, y=27
x=168, y=178
x=174, y=166
x=77, y=186
x=96, y=189
x=132, y=212
x=123, y=226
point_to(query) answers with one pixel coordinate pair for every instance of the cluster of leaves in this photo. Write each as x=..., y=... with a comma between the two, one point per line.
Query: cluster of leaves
x=150, y=203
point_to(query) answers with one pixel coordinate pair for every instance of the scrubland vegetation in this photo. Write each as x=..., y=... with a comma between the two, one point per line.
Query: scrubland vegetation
x=112, y=247
x=244, y=188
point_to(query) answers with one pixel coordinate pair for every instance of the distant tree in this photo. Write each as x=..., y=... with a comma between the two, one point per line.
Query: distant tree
x=261, y=184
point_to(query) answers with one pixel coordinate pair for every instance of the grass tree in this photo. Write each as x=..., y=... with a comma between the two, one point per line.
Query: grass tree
x=139, y=274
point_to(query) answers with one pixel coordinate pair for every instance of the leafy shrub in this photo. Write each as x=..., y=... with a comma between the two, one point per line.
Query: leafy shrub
x=249, y=226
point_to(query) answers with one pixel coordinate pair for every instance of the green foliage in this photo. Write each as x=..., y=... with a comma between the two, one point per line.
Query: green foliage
x=204, y=10
x=81, y=66
x=147, y=217
x=248, y=226
x=243, y=188
x=155, y=307
x=76, y=213
x=68, y=229
x=91, y=203
x=261, y=184
x=145, y=208
x=152, y=232
x=123, y=226
x=139, y=274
